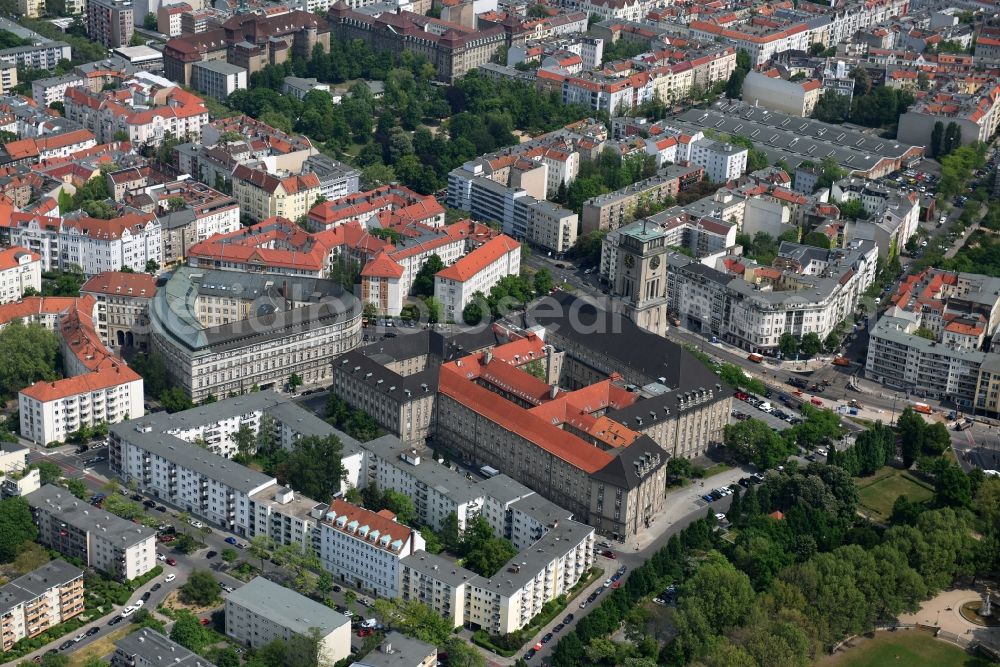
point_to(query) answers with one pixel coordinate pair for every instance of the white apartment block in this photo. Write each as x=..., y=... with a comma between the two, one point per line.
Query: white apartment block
x=19, y=269
x=478, y=271
x=148, y=648
x=39, y=600
x=722, y=162
x=51, y=411
x=42, y=56
x=363, y=548
x=96, y=246
x=53, y=89
x=102, y=540
x=812, y=292
x=262, y=611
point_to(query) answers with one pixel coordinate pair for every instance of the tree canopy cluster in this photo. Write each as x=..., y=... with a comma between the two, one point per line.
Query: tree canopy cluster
x=786, y=589
x=878, y=107
x=391, y=137
x=30, y=354
x=354, y=422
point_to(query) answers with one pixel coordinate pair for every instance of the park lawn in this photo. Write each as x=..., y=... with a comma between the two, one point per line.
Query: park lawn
x=878, y=492
x=906, y=647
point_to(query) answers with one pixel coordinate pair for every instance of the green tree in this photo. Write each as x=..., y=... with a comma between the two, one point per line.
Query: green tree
x=414, y=619
x=911, y=428
x=201, y=588
x=937, y=139
x=189, y=632
x=314, y=466
x=229, y=555
x=30, y=353
x=753, y=441
x=462, y=654
x=175, y=399
x=48, y=471
x=543, y=281
x=811, y=344
x=149, y=21
x=788, y=344
x=17, y=527
x=245, y=440
x=294, y=381
x=423, y=283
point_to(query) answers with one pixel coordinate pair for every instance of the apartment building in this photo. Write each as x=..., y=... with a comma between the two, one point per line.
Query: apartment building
x=39, y=600
x=148, y=648
x=390, y=205
x=149, y=109
x=436, y=490
x=437, y=582
x=262, y=195
x=218, y=79
x=97, y=388
x=51, y=411
x=612, y=210
x=205, y=212
x=722, y=162
x=31, y=9
x=806, y=290
x=96, y=246
x=45, y=55
x=18, y=479
x=363, y=548
x=100, y=539
x=900, y=359
x=168, y=18
x=209, y=327
x=59, y=144
x=110, y=22
x=275, y=246
x=121, y=307
x=479, y=271
x=53, y=89
x=261, y=611
x=19, y=269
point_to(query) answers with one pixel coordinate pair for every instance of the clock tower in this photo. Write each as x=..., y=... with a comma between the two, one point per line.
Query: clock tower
x=640, y=281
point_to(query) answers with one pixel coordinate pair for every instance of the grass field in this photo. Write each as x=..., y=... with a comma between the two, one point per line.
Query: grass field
x=878, y=492
x=903, y=649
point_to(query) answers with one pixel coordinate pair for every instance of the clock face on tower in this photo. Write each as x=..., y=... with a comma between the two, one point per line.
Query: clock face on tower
x=655, y=263
x=629, y=261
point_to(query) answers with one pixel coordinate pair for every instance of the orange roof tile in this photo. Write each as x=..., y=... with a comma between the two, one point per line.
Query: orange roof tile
x=105, y=378
x=479, y=259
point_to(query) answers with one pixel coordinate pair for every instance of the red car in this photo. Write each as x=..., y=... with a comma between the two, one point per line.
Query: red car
x=171, y=561
x=364, y=632
x=741, y=395
x=167, y=538
x=206, y=621
x=607, y=553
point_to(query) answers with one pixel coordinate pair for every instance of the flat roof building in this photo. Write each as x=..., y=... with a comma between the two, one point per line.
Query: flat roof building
x=262, y=611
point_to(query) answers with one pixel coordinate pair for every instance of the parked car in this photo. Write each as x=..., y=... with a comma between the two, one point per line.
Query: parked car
x=66, y=644
x=171, y=561
x=196, y=523
x=558, y=627
x=608, y=553
x=547, y=638
x=365, y=632
x=156, y=587
x=115, y=620
x=569, y=619
x=231, y=540
x=211, y=554
x=93, y=631
x=146, y=596
x=161, y=508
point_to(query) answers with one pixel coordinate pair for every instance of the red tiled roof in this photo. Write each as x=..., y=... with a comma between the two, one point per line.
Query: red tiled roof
x=382, y=266
x=110, y=376
x=379, y=523
x=11, y=257
x=479, y=259
x=121, y=283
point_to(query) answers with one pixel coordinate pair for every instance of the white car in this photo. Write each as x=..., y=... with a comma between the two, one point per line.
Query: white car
x=138, y=603
x=160, y=557
x=128, y=611
x=197, y=524
x=719, y=516
x=170, y=577
x=369, y=623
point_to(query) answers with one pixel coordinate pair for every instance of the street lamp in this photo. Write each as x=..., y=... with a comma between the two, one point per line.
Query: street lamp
x=892, y=418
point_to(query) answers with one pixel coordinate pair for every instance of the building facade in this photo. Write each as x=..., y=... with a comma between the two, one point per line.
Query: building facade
x=19, y=269
x=39, y=600
x=100, y=539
